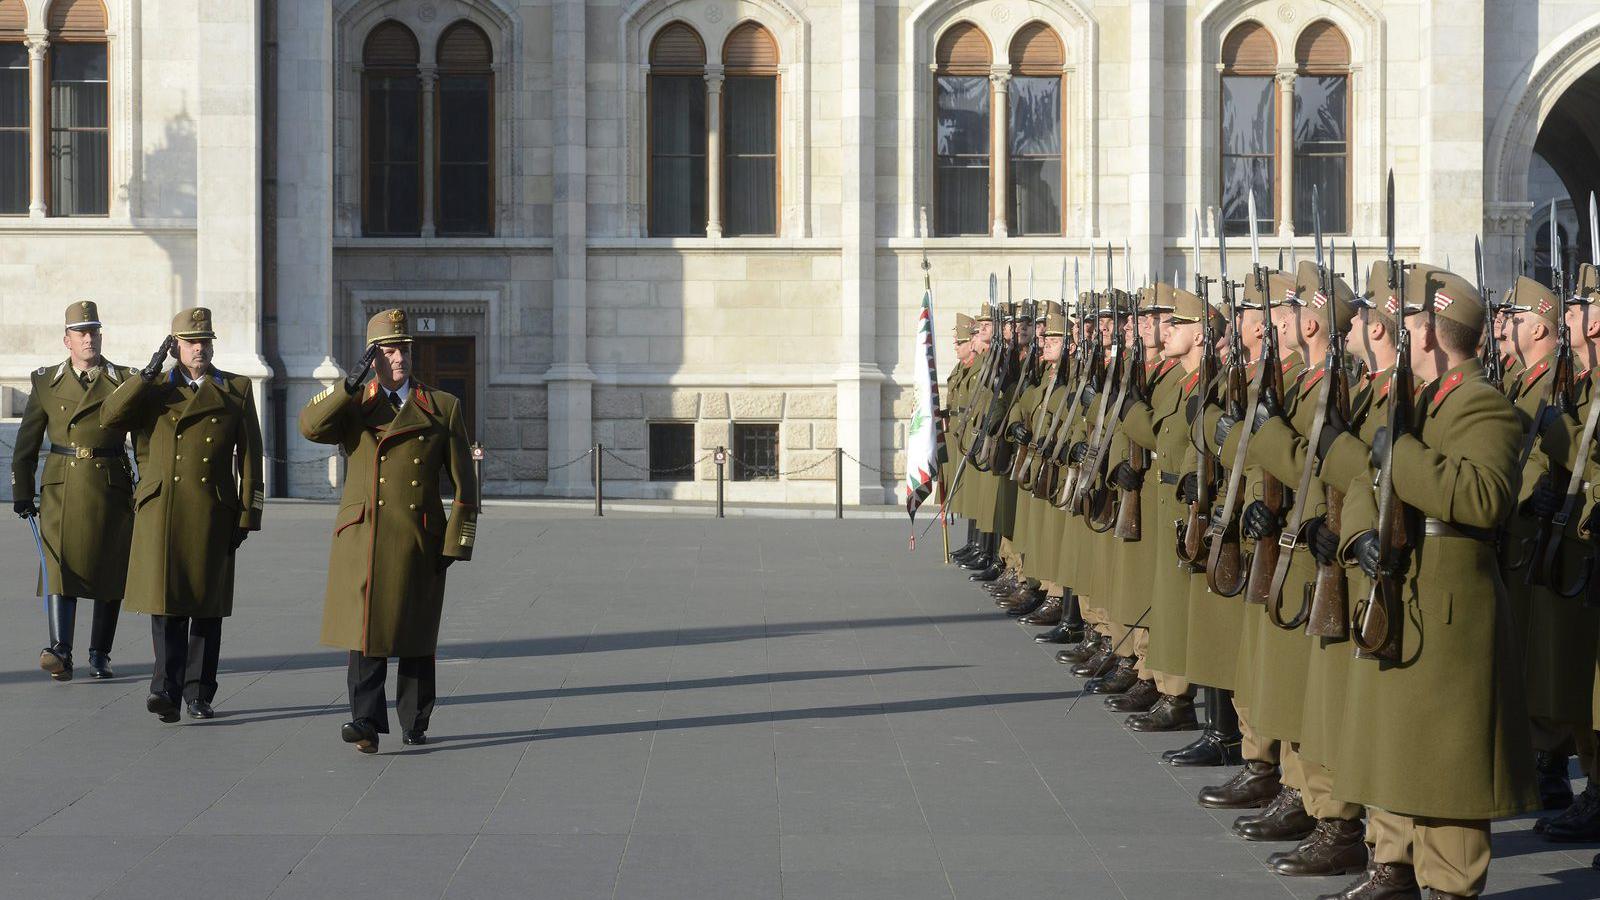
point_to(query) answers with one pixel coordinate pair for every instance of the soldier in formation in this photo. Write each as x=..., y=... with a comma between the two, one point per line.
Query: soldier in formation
x=1295, y=515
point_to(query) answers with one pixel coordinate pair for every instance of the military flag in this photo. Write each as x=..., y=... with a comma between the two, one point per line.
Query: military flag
x=924, y=437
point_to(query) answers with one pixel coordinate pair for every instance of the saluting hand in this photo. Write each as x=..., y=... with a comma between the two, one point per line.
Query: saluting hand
x=352, y=382
x=150, y=371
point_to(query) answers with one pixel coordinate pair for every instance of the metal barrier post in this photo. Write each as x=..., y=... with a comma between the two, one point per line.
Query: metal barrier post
x=838, y=482
x=721, y=460
x=477, y=474
x=599, y=478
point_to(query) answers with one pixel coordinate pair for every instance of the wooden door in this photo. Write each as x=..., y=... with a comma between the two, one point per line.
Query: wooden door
x=450, y=364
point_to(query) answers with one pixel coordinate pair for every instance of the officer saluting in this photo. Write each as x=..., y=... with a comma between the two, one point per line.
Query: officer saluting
x=198, y=444
x=391, y=538
x=87, y=475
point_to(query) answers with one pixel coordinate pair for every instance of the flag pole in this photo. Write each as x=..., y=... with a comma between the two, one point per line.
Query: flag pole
x=927, y=284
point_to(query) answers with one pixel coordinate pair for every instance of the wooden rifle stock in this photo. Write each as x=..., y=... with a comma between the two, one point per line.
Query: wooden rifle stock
x=1380, y=621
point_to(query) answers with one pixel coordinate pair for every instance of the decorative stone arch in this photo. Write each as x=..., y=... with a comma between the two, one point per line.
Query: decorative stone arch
x=1537, y=89
x=122, y=61
x=643, y=19
x=428, y=20
x=1286, y=20
x=1000, y=21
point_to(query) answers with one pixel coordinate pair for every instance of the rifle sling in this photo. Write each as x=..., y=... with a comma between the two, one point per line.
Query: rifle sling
x=1289, y=539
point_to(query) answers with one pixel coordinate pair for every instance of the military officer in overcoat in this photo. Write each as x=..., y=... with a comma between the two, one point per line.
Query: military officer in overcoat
x=392, y=540
x=87, y=478
x=197, y=440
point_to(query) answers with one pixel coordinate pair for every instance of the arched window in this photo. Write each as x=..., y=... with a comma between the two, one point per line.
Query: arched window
x=391, y=204
x=677, y=132
x=14, y=110
x=464, y=156
x=80, y=130
x=750, y=129
x=1033, y=194
x=1249, y=136
x=1322, y=127
x=961, y=132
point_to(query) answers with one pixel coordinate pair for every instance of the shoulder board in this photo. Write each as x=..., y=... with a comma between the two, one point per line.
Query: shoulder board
x=371, y=392
x=326, y=393
x=41, y=370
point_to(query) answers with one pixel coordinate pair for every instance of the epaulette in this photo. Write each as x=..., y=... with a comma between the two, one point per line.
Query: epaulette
x=1446, y=387
x=41, y=370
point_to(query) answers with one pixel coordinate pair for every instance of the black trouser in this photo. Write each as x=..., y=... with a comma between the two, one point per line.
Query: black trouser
x=414, y=688
x=186, y=656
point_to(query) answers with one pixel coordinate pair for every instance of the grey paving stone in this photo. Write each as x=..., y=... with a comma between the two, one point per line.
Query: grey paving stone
x=407, y=865
x=69, y=865
x=206, y=866
x=845, y=796
x=696, y=866
x=501, y=866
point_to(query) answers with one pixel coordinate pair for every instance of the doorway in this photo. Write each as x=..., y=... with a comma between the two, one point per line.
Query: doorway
x=450, y=364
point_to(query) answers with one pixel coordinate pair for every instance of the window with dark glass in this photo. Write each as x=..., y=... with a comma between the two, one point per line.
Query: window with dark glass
x=677, y=133
x=80, y=131
x=671, y=451
x=961, y=132
x=1321, y=128
x=755, y=451
x=14, y=151
x=750, y=132
x=391, y=134
x=1033, y=194
x=465, y=142
x=1249, y=128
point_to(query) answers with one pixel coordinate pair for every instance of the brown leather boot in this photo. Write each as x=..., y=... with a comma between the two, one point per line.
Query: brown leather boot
x=1381, y=881
x=1139, y=698
x=1031, y=599
x=1119, y=680
x=1284, y=819
x=1171, y=713
x=1436, y=894
x=1252, y=786
x=1080, y=651
x=1099, y=664
x=1048, y=613
x=1335, y=847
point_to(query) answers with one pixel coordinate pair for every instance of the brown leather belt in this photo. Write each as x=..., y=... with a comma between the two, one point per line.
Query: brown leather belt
x=1439, y=528
x=86, y=452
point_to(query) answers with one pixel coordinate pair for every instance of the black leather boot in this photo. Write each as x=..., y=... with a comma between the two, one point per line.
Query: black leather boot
x=1381, y=881
x=1252, y=786
x=1139, y=698
x=1578, y=823
x=1171, y=713
x=1086, y=647
x=1219, y=743
x=1099, y=664
x=1335, y=847
x=1048, y=613
x=1284, y=819
x=101, y=635
x=1034, y=599
x=1555, y=789
x=1119, y=680
x=62, y=613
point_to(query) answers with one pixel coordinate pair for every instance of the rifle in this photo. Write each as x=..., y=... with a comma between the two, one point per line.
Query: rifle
x=1135, y=383
x=989, y=440
x=1549, y=561
x=1380, y=619
x=1325, y=603
x=1225, y=555
x=1192, y=543
x=1225, y=573
x=1036, y=478
x=1091, y=373
x=1494, y=365
x=1563, y=397
x=1264, y=558
x=1095, y=509
x=978, y=404
x=1027, y=456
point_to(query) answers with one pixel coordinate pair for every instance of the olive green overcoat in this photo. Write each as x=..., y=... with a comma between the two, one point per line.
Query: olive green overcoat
x=385, y=589
x=1444, y=732
x=90, y=559
x=1129, y=596
x=1169, y=592
x=200, y=481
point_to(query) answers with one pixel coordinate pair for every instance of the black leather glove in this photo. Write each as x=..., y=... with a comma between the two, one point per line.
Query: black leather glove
x=1189, y=488
x=1079, y=451
x=1087, y=395
x=443, y=563
x=1380, y=446
x=1544, y=502
x=1261, y=522
x=239, y=534
x=1129, y=399
x=1192, y=408
x=1224, y=428
x=1267, y=409
x=149, y=372
x=1333, y=425
x=1323, y=541
x=1019, y=433
x=1366, y=551
x=352, y=382
x=25, y=508
x=1124, y=477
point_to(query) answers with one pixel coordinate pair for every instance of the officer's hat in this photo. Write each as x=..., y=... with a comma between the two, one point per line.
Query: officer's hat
x=1308, y=283
x=390, y=326
x=83, y=314
x=193, y=325
x=1157, y=298
x=1281, y=291
x=1447, y=294
x=1527, y=295
x=985, y=313
x=1586, y=286
x=964, y=327
x=1055, y=324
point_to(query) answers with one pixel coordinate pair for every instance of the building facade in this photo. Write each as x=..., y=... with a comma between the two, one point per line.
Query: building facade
x=671, y=225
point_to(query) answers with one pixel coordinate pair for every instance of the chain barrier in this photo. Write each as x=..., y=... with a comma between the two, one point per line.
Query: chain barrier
x=571, y=462
x=674, y=470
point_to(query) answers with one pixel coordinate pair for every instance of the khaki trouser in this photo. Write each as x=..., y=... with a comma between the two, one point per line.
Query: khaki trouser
x=1051, y=589
x=1315, y=783
x=1171, y=685
x=1565, y=737
x=1009, y=555
x=1450, y=855
x=1255, y=745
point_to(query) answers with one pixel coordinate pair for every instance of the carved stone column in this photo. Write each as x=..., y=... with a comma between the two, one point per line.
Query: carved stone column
x=713, y=151
x=1000, y=149
x=1285, y=187
x=38, y=141
x=430, y=85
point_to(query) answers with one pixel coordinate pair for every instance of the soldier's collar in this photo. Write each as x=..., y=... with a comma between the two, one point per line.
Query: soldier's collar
x=1452, y=379
x=1533, y=373
x=175, y=376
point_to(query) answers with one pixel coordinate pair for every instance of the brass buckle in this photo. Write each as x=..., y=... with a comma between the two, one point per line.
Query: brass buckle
x=83, y=452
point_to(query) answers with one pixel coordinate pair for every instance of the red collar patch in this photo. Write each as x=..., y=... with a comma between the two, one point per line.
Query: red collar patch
x=1535, y=372
x=1311, y=382
x=1445, y=387
x=1166, y=366
x=1194, y=379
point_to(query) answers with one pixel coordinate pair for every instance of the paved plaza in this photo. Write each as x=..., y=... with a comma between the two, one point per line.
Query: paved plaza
x=635, y=706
